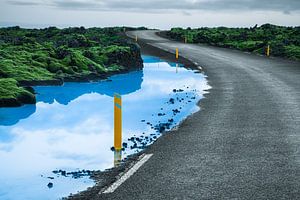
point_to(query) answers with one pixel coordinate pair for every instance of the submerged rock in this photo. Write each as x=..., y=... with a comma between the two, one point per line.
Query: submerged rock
x=134, y=146
x=170, y=120
x=75, y=174
x=79, y=174
x=171, y=101
x=175, y=111
x=59, y=172
x=63, y=173
x=179, y=90
x=131, y=139
x=162, y=127
x=124, y=145
x=50, y=185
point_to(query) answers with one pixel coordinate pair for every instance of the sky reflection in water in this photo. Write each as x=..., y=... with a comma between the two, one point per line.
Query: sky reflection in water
x=71, y=126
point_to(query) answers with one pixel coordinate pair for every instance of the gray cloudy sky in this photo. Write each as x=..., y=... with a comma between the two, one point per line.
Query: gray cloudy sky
x=152, y=13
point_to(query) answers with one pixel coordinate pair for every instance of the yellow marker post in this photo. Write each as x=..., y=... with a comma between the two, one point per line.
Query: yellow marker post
x=117, y=157
x=117, y=122
x=268, y=50
x=136, y=38
x=177, y=54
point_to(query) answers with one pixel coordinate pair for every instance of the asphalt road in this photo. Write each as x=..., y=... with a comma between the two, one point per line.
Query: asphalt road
x=243, y=144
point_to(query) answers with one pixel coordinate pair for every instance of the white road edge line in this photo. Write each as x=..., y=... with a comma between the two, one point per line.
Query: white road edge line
x=128, y=174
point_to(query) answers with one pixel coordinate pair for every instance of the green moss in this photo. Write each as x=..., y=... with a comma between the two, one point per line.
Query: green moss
x=45, y=54
x=10, y=90
x=20, y=71
x=51, y=53
x=284, y=41
x=244, y=46
x=115, y=48
x=115, y=68
x=293, y=51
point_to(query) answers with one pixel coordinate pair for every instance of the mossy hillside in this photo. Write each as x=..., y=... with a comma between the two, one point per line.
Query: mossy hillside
x=13, y=95
x=284, y=41
x=35, y=55
x=32, y=54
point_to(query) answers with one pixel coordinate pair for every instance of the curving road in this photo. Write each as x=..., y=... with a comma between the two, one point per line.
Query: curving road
x=243, y=144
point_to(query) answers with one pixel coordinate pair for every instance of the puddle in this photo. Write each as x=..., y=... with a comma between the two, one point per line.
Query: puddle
x=70, y=129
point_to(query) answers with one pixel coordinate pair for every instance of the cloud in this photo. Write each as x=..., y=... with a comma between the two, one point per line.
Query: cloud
x=79, y=5
x=23, y=3
x=285, y=6
x=186, y=13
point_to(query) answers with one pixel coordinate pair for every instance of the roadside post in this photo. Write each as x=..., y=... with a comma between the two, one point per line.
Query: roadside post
x=136, y=38
x=117, y=122
x=177, y=56
x=117, y=157
x=268, y=50
x=185, y=39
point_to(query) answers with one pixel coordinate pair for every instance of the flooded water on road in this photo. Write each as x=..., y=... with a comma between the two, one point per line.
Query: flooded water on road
x=45, y=147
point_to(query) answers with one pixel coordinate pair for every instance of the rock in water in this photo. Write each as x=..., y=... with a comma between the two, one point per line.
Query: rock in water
x=50, y=185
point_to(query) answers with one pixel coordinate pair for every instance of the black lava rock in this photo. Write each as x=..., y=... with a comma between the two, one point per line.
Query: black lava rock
x=175, y=111
x=131, y=139
x=179, y=90
x=171, y=101
x=170, y=120
x=124, y=145
x=134, y=146
x=50, y=185
x=63, y=173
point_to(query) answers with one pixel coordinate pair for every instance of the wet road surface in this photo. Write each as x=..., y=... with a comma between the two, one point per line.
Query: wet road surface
x=243, y=144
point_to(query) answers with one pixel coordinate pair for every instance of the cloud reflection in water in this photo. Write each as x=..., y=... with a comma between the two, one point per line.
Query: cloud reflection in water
x=71, y=126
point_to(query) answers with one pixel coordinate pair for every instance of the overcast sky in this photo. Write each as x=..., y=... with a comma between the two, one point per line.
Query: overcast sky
x=161, y=14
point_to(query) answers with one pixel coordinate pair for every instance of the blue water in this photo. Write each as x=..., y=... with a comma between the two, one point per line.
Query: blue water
x=71, y=127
